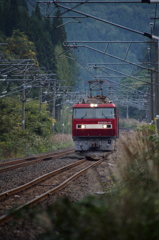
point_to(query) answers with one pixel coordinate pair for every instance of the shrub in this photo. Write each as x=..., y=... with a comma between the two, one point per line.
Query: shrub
x=37, y=136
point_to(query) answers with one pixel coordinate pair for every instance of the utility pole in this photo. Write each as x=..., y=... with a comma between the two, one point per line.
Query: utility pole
x=23, y=107
x=54, y=101
x=152, y=87
x=54, y=106
x=127, y=111
x=67, y=117
x=63, y=118
x=40, y=95
x=63, y=124
x=157, y=87
x=152, y=98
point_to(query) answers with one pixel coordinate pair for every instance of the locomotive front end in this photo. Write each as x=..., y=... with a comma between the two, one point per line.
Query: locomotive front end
x=94, y=126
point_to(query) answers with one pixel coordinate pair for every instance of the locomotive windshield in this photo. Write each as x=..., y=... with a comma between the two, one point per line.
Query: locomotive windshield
x=96, y=113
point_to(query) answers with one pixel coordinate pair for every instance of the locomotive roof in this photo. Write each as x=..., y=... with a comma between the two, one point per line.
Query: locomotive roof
x=101, y=105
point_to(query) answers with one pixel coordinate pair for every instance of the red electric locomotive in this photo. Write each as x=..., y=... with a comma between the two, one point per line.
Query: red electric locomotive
x=95, y=125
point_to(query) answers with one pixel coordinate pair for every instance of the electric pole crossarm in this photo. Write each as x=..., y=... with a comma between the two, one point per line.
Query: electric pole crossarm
x=66, y=43
x=117, y=58
x=82, y=2
x=126, y=87
x=110, y=23
x=127, y=75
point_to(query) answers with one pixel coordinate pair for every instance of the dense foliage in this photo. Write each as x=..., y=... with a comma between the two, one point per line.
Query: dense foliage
x=28, y=35
x=13, y=140
x=39, y=32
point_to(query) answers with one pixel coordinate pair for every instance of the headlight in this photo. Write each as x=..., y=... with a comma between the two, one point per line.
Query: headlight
x=93, y=105
x=104, y=126
x=81, y=126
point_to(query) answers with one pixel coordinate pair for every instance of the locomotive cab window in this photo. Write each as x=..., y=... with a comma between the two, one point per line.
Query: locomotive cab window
x=96, y=113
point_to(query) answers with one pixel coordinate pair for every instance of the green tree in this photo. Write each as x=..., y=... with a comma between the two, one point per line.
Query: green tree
x=40, y=35
x=65, y=70
x=37, y=12
x=14, y=140
x=10, y=116
x=19, y=46
x=59, y=34
x=24, y=20
x=38, y=122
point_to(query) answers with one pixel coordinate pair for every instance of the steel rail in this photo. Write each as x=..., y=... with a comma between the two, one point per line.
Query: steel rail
x=42, y=197
x=31, y=160
x=39, y=179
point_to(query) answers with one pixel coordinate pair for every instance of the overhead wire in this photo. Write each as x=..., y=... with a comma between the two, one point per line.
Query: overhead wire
x=70, y=9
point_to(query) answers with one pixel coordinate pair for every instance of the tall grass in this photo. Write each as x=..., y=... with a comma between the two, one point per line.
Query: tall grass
x=130, y=123
x=61, y=141
x=138, y=164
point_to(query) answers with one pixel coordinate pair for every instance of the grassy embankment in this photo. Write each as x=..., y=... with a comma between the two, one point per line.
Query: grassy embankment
x=23, y=146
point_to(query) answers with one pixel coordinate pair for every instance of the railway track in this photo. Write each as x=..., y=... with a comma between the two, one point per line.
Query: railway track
x=40, y=188
x=9, y=165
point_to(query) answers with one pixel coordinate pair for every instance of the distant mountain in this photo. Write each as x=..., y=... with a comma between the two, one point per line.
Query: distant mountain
x=133, y=16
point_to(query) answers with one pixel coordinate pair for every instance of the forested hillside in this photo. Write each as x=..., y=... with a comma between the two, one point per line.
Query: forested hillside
x=29, y=45
x=14, y=15
x=134, y=16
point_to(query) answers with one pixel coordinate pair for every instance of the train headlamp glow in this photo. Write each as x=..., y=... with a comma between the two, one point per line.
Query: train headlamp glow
x=93, y=105
x=81, y=126
x=104, y=126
